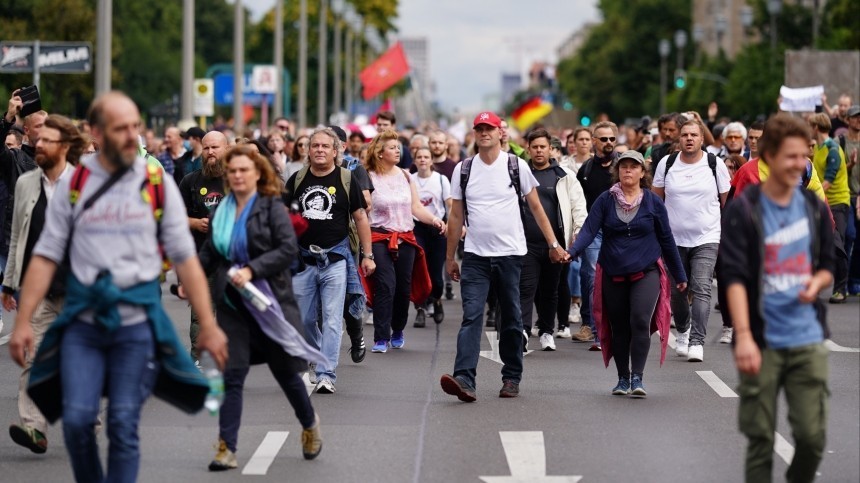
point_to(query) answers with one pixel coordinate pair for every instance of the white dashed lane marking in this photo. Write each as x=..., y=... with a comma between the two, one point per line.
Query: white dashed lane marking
x=266, y=453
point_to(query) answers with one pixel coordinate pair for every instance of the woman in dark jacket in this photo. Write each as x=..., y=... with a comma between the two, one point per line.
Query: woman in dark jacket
x=251, y=232
x=631, y=285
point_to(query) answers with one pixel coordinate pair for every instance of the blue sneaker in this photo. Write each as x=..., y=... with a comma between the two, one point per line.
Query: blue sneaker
x=397, y=340
x=622, y=388
x=380, y=346
x=636, y=386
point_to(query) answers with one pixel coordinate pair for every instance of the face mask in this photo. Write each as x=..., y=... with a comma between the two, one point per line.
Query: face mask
x=187, y=145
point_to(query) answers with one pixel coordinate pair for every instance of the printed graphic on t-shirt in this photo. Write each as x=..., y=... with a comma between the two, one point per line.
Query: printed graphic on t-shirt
x=427, y=200
x=211, y=198
x=317, y=202
x=787, y=267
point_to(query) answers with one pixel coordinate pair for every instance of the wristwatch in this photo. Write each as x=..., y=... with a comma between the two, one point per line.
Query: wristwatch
x=367, y=256
x=554, y=245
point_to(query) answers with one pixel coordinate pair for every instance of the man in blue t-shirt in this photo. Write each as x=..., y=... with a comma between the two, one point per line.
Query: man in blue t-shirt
x=776, y=255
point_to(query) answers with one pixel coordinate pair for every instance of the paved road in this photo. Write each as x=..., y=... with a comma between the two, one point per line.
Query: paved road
x=390, y=421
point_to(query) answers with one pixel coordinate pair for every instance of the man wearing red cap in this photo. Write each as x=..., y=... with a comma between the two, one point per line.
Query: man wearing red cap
x=500, y=186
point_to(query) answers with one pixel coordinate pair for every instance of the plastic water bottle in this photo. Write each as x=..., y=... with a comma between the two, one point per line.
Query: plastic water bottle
x=250, y=292
x=216, y=383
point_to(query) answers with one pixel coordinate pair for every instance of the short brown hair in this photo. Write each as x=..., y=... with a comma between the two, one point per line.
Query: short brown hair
x=388, y=116
x=374, y=151
x=70, y=135
x=270, y=183
x=693, y=122
x=821, y=122
x=777, y=129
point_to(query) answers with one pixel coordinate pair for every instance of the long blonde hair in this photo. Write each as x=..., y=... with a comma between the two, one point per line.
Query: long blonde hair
x=374, y=151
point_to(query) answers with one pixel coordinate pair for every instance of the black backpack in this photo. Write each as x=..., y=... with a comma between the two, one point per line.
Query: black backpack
x=513, y=172
x=712, y=163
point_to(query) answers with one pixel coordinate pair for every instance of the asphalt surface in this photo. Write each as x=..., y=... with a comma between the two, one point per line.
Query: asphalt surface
x=390, y=422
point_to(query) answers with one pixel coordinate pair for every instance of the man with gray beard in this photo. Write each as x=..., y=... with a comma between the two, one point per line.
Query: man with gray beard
x=201, y=191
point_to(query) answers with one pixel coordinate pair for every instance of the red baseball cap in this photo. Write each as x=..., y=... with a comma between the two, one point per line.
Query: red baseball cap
x=487, y=118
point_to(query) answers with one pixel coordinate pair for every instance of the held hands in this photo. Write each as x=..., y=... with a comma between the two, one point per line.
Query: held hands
x=559, y=255
x=369, y=266
x=441, y=226
x=242, y=276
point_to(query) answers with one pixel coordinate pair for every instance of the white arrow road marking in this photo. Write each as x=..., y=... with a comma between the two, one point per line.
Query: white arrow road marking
x=493, y=353
x=834, y=347
x=266, y=453
x=781, y=446
x=308, y=384
x=526, y=457
x=717, y=384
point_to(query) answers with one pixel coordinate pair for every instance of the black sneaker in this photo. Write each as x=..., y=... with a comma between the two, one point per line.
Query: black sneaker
x=358, y=350
x=449, y=290
x=453, y=386
x=509, y=389
x=30, y=438
x=419, y=318
x=491, y=318
x=438, y=312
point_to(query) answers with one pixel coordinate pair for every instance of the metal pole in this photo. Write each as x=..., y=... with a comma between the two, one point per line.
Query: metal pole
x=104, y=26
x=278, y=108
x=815, y=20
x=663, y=79
x=347, y=74
x=36, y=75
x=772, y=39
x=322, y=68
x=338, y=62
x=187, y=59
x=358, y=63
x=238, y=67
x=303, y=64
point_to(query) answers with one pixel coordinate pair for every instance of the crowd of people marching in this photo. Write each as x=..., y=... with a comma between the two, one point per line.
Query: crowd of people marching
x=280, y=238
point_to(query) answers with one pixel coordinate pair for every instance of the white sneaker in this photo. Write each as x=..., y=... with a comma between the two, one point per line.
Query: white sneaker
x=369, y=319
x=696, y=353
x=682, y=343
x=563, y=334
x=535, y=330
x=325, y=386
x=547, y=343
x=726, y=337
x=429, y=309
x=574, y=317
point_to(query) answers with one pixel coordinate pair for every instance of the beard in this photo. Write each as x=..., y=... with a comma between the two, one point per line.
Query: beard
x=45, y=162
x=214, y=169
x=116, y=153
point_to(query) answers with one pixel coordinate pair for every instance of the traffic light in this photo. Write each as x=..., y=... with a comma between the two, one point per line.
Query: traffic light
x=568, y=106
x=585, y=121
x=680, y=79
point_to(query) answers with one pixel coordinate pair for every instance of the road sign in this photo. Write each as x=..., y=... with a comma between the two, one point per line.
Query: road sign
x=264, y=79
x=54, y=57
x=203, y=99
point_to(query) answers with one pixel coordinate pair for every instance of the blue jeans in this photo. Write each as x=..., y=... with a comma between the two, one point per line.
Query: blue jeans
x=586, y=275
x=121, y=365
x=852, y=247
x=573, y=279
x=699, y=263
x=475, y=276
x=323, y=289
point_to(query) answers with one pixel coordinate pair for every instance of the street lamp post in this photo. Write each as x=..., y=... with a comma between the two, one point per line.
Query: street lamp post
x=680, y=43
x=104, y=27
x=774, y=8
x=720, y=26
x=238, y=67
x=698, y=37
x=337, y=7
x=187, y=59
x=302, y=106
x=746, y=19
x=278, y=108
x=322, y=68
x=664, y=47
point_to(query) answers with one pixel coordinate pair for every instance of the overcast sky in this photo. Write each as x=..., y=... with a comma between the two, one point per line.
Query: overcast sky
x=472, y=42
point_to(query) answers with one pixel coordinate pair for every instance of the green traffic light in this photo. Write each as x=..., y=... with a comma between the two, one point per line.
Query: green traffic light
x=585, y=121
x=680, y=83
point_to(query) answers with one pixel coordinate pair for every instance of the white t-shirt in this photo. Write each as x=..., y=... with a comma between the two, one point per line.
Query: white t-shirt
x=495, y=225
x=433, y=191
x=691, y=199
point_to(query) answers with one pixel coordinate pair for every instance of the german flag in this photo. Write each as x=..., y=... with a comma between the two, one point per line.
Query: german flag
x=530, y=112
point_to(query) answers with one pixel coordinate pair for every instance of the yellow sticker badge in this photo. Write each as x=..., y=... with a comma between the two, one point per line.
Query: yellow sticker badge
x=331, y=190
x=203, y=191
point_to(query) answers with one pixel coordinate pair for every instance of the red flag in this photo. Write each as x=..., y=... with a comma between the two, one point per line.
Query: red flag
x=384, y=72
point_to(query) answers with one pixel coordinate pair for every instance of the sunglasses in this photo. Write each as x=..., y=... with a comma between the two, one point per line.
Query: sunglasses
x=733, y=138
x=607, y=139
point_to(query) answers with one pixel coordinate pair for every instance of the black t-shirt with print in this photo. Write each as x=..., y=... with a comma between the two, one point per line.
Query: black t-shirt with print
x=324, y=204
x=201, y=195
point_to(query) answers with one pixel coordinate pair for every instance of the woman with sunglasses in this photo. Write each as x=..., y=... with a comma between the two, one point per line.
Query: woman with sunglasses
x=299, y=156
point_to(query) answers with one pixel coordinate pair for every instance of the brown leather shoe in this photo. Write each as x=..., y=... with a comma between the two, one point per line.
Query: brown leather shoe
x=451, y=385
x=584, y=335
x=509, y=389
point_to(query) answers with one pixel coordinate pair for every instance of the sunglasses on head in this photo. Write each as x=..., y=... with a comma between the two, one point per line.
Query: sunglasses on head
x=605, y=139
